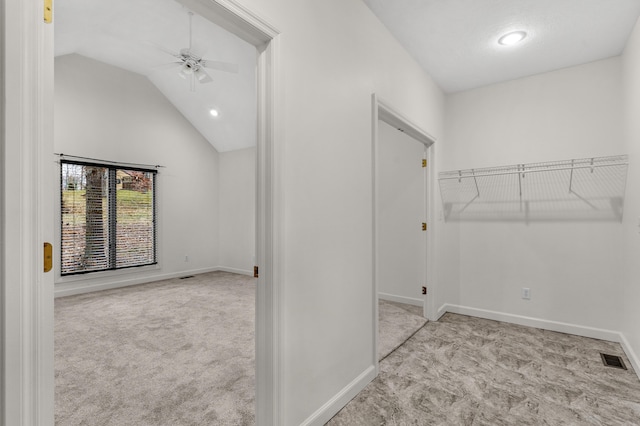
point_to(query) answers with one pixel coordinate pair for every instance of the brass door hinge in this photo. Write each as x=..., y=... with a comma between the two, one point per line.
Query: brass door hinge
x=48, y=257
x=424, y=162
x=255, y=272
x=48, y=11
x=424, y=226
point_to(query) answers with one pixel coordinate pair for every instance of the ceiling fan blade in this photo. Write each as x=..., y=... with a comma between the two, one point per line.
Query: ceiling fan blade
x=164, y=49
x=167, y=66
x=203, y=76
x=220, y=66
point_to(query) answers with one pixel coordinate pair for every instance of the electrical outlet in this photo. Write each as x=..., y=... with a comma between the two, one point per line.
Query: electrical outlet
x=526, y=293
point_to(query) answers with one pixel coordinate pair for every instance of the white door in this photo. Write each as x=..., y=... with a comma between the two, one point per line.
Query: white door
x=400, y=214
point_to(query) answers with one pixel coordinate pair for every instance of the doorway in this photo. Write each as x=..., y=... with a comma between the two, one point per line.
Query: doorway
x=28, y=302
x=402, y=212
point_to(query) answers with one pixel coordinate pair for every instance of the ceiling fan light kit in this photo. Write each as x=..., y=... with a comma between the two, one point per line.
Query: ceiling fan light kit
x=192, y=67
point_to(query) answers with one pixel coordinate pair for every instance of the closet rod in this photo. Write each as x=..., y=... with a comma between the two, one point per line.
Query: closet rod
x=534, y=171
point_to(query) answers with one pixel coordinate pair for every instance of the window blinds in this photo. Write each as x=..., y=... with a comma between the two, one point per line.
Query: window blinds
x=108, y=217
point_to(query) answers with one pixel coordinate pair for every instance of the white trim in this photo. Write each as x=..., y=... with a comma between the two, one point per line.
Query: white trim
x=381, y=110
x=440, y=312
x=28, y=382
x=2, y=213
x=28, y=302
x=270, y=401
x=374, y=226
x=234, y=17
x=429, y=299
x=102, y=277
x=561, y=327
x=342, y=398
x=395, y=119
x=633, y=357
x=80, y=287
x=235, y=271
x=401, y=299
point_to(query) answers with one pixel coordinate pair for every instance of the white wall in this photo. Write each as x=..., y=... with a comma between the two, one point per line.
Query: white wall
x=334, y=54
x=108, y=113
x=631, y=229
x=237, y=210
x=400, y=211
x=573, y=269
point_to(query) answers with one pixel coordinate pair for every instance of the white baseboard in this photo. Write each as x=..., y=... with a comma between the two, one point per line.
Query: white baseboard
x=633, y=357
x=401, y=299
x=235, y=270
x=87, y=286
x=440, y=312
x=562, y=327
x=335, y=404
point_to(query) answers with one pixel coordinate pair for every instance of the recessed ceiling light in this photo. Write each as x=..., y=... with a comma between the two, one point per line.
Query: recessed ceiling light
x=213, y=112
x=512, y=38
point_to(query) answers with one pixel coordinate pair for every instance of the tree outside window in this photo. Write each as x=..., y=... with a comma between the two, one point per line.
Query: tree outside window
x=108, y=217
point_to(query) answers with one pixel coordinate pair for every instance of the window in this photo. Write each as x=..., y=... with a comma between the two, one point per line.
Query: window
x=108, y=217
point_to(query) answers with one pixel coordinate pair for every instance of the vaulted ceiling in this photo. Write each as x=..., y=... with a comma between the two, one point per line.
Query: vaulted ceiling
x=456, y=41
x=137, y=34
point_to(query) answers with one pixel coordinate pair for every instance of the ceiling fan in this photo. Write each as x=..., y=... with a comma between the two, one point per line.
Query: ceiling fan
x=191, y=66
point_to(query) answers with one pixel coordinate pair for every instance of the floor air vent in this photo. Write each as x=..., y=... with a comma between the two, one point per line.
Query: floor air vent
x=613, y=361
x=188, y=276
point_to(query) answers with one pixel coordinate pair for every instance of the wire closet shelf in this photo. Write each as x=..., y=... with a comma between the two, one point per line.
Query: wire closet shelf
x=579, y=189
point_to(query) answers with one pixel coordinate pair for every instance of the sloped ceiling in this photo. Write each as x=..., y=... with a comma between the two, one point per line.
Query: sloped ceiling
x=456, y=41
x=131, y=34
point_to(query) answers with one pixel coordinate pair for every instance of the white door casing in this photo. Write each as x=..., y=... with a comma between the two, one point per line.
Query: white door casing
x=27, y=139
x=27, y=202
x=381, y=110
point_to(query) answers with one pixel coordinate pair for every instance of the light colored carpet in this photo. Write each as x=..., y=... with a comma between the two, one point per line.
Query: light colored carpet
x=175, y=352
x=469, y=371
x=397, y=322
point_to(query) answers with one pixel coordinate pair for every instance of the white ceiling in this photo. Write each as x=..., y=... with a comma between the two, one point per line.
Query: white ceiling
x=126, y=33
x=455, y=41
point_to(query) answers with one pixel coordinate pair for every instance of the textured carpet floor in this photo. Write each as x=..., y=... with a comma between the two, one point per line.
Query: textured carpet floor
x=469, y=371
x=175, y=352
x=397, y=322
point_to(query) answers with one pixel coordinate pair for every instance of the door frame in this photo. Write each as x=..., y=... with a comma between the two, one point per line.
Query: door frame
x=27, y=292
x=26, y=191
x=383, y=111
